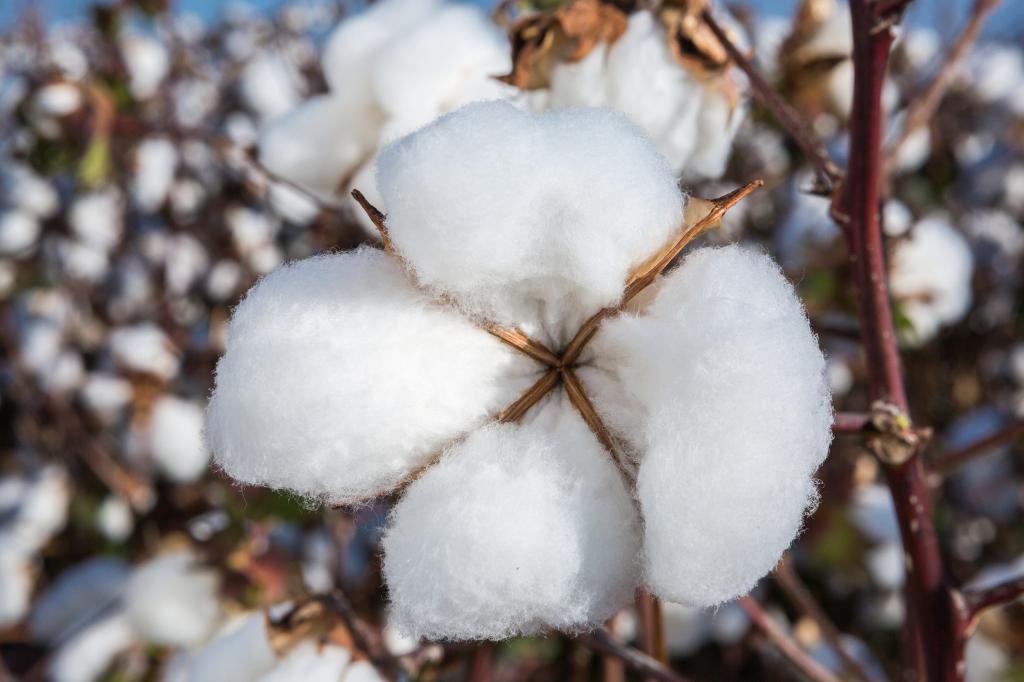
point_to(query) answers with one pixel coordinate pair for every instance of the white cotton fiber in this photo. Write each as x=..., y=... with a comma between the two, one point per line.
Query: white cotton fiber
x=311, y=662
x=340, y=379
x=148, y=62
x=541, y=239
x=87, y=655
x=733, y=415
x=144, y=348
x=156, y=159
x=114, y=518
x=517, y=529
x=176, y=439
x=19, y=232
x=105, y=395
x=172, y=600
x=78, y=596
x=16, y=578
x=270, y=84
x=930, y=277
x=240, y=653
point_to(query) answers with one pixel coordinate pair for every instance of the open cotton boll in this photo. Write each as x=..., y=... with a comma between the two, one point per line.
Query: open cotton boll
x=34, y=508
x=148, y=63
x=105, y=395
x=319, y=144
x=186, y=261
x=340, y=378
x=172, y=600
x=57, y=99
x=717, y=123
x=144, y=348
x=517, y=529
x=114, y=518
x=95, y=218
x=546, y=237
x=19, y=232
x=78, y=596
x=271, y=85
x=240, y=653
x=446, y=60
x=311, y=662
x=155, y=162
x=736, y=417
x=929, y=296
x=87, y=655
x=176, y=439
x=26, y=190
x=16, y=580
x=82, y=262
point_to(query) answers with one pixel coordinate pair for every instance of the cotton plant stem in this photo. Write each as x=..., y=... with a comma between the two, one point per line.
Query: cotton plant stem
x=856, y=208
x=638, y=661
x=788, y=117
x=652, y=627
x=953, y=460
x=924, y=105
x=796, y=591
x=980, y=599
x=792, y=652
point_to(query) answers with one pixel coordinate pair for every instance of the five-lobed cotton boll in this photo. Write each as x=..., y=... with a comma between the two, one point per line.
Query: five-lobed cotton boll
x=544, y=238
x=735, y=416
x=518, y=528
x=340, y=379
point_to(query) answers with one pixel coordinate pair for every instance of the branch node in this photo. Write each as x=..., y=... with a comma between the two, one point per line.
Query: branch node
x=894, y=440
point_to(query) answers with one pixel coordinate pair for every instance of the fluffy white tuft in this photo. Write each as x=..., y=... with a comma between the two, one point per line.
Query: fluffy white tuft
x=88, y=654
x=733, y=415
x=144, y=348
x=176, y=439
x=78, y=596
x=311, y=662
x=172, y=600
x=340, y=379
x=545, y=237
x=516, y=529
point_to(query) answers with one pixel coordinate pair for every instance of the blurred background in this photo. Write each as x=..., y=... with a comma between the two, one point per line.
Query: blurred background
x=136, y=207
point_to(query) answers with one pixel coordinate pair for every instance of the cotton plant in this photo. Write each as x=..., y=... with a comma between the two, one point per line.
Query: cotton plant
x=690, y=100
x=389, y=70
x=564, y=421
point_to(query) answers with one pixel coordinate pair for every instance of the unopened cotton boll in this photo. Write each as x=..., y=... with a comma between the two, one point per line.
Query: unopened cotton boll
x=543, y=239
x=517, y=529
x=176, y=439
x=144, y=348
x=155, y=162
x=172, y=600
x=930, y=296
x=735, y=417
x=338, y=360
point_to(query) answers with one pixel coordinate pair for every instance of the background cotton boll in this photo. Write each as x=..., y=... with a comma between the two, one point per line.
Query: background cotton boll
x=340, y=361
x=16, y=579
x=77, y=597
x=249, y=229
x=518, y=528
x=311, y=662
x=241, y=652
x=148, y=63
x=35, y=509
x=362, y=671
x=155, y=162
x=293, y=205
x=176, y=439
x=26, y=190
x=686, y=629
x=66, y=374
x=19, y=232
x=88, y=654
x=539, y=241
x=717, y=123
x=57, y=99
x=185, y=263
x=873, y=512
x=738, y=417
x=82, y=262
x=318, y=144
x=930, y=296
x=172, y=600
x=144, y=348
x=886, y=565
x=223, y=280
x=114, y=519
x=271, y=85
x=95, y=218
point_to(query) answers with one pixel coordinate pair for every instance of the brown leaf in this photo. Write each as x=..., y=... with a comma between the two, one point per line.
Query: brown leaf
x=566, y=34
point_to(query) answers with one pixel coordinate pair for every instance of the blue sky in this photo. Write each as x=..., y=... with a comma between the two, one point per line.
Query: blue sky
x=947, y=15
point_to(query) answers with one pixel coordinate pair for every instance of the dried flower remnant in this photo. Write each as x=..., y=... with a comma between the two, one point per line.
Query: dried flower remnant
x=587, y=52
x=520, y=318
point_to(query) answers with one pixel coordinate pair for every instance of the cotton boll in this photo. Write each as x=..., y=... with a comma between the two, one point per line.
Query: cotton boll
x=806, y=229
x=271, y=85
x=77, y=597
x=65, y=375
x=172, y=600
x=897, y=218
x=736, y=418
x=144, y=348
x=36, y=509
x=16, y=580
x=28, y=191
x=291, y=204
x=185, y=263
x=310, y=662
x=19, y=232
x=87, y=655
x=223, y=280
x=686, y=629
x=873, y=512
x=719, y=119
x=148, y=63
x=249, y=229
x=886, y=565
x=82, y=262
x=338, y=361
x=105, y=395
x=543, y=239
x=518, y=528
x=114, y=519
x=985, y=660
x=176, y=439
x=362, y=671
x=239, y=654
x=95, y=218
x=580, y=83
x=318, y=144
x=155, y=161
x=57, y=99
x=930, y=275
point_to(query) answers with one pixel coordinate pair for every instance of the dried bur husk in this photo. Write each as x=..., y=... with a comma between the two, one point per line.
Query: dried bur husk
x=311, y=620
x=696, y=48
x=810, y=59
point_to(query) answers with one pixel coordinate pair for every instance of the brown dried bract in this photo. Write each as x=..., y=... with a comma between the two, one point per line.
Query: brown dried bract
x=565, y=34
x=691, y=41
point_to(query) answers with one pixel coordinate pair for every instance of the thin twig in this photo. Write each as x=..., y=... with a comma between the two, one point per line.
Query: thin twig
x=924, y=105
x=377, y=218
x=373, y=647
x=850, y=422
x=793, y=587
x=652, y=630
x=636, y=660
x=786, y=646
x=953, y=460
x=980, y=599
x=788, y=117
